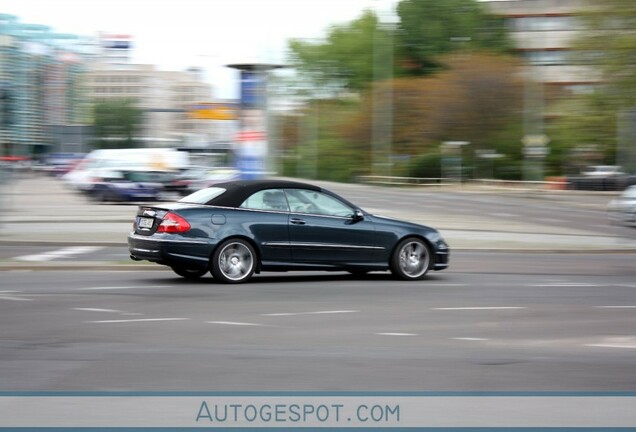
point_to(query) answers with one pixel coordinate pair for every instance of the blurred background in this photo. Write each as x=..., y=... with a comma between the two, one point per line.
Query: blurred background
x=462, y=90
x=497, y=110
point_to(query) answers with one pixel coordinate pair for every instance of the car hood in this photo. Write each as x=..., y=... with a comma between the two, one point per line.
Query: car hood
x=386, y=220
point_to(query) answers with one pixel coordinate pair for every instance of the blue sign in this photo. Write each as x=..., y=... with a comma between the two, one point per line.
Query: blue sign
x=252, y=89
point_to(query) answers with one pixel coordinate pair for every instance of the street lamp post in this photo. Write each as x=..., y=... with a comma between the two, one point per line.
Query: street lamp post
x=383, y=59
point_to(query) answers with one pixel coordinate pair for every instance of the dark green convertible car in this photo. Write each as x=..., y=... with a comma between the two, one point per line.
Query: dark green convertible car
x=239, y=228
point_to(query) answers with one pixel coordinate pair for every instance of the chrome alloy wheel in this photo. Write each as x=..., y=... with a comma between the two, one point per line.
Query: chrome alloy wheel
x=234, y=261
x=412, y=259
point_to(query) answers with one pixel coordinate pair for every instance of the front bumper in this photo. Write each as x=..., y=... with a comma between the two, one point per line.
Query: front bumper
x=442, y=259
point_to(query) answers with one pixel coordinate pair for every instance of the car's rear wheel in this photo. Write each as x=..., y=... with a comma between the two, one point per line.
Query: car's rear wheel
x=411, y=259
x=189, y=273
x=234, y=261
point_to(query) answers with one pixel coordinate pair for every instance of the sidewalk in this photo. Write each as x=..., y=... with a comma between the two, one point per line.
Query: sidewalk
x=40, y=210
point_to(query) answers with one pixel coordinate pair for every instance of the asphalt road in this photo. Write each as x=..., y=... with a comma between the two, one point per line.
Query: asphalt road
x=496, y=327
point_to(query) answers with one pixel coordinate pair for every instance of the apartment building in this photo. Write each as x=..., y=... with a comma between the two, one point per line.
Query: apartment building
x=40, y=85
x=543, y=32
x=165, y=97
x=49, y=83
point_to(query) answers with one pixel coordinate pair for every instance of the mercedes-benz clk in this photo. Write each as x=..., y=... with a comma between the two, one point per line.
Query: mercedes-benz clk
x=236, y=229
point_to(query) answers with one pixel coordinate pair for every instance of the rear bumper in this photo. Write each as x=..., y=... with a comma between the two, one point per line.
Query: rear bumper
x=170, y=250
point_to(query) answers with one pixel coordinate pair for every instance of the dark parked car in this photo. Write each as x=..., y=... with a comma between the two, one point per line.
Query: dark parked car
x=126, y=185
x=239, y=228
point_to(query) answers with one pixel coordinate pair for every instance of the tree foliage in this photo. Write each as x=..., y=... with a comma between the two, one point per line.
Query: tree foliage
x=586, y=132
x=471, y=100
x=116, y=123
x=429, y=29
x=343, y=61
x=414, y=84
x=610, y=42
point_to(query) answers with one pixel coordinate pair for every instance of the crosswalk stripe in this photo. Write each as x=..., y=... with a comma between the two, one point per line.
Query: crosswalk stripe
x=59, y=253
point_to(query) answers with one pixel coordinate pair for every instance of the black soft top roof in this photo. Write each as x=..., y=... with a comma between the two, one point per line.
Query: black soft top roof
x=238, y=191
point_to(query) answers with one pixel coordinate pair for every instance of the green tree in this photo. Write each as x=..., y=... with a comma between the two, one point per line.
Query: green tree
x=344, y=60
x=431, y=28
x=586, y=131
x=471, y=100
x=116, y=123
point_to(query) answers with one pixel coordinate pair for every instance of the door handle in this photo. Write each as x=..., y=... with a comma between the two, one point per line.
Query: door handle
x=297, y=221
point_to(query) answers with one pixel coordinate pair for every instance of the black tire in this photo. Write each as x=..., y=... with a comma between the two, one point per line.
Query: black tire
x=411, y=259
x=233, y=261
x=191, y=274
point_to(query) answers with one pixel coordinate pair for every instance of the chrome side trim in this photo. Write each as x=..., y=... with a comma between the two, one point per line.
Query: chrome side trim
x=321, y=245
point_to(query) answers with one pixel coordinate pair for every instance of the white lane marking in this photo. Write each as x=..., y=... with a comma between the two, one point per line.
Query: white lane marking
x=616, y=342
x=503, y=214
x=563, y=284
x=311, y=313
x=397, y=334
x=59, y=253
x=480, y=308
x=469, y=339
x=124, y=287
x=137, y=320
x=97, y=310
x=233, y=323
x=103, y=310
x=611, y=346
x=616, y=307
x=14, y=298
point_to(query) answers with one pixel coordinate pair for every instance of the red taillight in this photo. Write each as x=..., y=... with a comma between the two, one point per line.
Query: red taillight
x=173, y=223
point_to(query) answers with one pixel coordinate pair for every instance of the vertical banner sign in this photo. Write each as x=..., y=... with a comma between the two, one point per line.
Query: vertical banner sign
x=251, y=143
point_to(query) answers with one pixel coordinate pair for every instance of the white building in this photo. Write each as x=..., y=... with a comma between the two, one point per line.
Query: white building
x=166, y=97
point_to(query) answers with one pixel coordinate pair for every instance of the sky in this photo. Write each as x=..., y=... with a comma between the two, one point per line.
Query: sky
x=177, y=34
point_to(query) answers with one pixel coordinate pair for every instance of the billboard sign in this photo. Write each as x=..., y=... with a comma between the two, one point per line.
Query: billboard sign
x=213, y=111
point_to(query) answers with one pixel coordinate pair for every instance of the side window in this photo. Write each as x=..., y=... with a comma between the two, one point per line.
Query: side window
x=312, y=202
x=269, y=199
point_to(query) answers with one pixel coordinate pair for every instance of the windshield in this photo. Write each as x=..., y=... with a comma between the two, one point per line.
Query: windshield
x=203, y=196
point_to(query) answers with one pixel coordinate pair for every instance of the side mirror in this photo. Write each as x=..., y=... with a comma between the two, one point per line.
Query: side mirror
x=357, y=215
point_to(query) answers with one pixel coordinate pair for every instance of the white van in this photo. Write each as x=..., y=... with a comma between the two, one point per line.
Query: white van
x=151, y=159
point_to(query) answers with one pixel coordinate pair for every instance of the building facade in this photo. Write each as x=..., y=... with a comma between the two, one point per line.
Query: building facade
x=40, y=86
x=50, y=82
x=543, y=33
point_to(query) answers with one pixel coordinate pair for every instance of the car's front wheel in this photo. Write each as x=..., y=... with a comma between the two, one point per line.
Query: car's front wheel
x=188, y=273
x=233, y=261
x=411, y=259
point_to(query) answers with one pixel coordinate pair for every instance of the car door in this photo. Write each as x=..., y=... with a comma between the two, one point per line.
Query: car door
x=268, y=222
x=323, y=230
